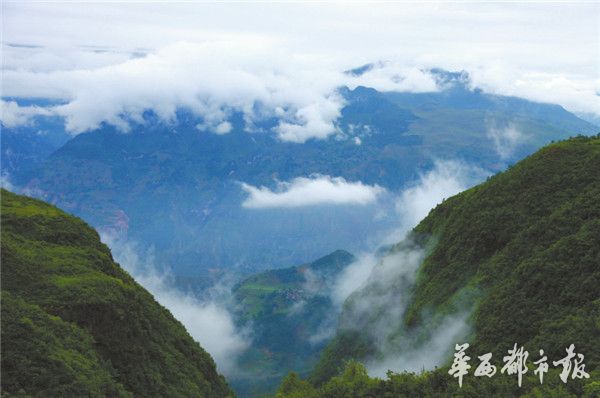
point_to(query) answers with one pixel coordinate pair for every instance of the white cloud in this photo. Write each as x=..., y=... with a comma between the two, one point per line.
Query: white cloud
x=368, y=286
x=5, y=182
x=13, y=115
x=452, y=329
x=447, y=178
x=316, y=190
x=576, y=93
x=313, y=121
x=210, y=79
x=352, y=278
x=287, y=59
x=223, y=128
x=390, y=281
x=208, y=321
x=395, y=76
x=368, y=310
x=506, y=139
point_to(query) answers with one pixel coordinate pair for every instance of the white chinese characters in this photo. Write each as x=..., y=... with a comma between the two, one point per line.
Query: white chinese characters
x=460, y=366
x=515, y=363
x=577, y=366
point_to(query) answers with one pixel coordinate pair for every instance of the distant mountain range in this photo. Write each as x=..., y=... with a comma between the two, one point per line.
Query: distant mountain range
x=178, y=189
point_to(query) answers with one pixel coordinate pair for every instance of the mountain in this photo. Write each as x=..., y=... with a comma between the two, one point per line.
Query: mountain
x=170, y=186
x=515, y=260
x=26, y=147
x=75, y=324
x=291, y=316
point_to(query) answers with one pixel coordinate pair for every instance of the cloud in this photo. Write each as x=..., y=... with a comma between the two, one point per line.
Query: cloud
x=6, y=183
x=447, y=178
x=212, y=80
x=377, y=310
x=315, y=120
x=506, y=139
x=220, y=129
x=223, y=128
x=426, y=355
x=313, y=191
x=13, y=115
x=352, y=278
x=376, y=289
x=389, y=281
x=395, y=76
x=575, y=93
x=287, y=60
x=207, y=320
x=316, y=285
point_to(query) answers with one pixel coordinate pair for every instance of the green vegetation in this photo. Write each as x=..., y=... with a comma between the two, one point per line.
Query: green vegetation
x=75, y=324
x=522, y=251
x=275, y=291
x=530, y=239
x=354, y=382
x=286, y=308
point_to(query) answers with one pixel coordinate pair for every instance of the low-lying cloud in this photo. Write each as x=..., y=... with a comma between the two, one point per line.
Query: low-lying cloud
x=445, y=179
x=13, y=115
x=376, y=290
x=506, y=139
x=388, y=289
x=352, y=278
x=6, y=183
x=207, y=320
x=426, y=355
x=219, y=78
x=286, y=61
x=213, y=80
x=378, y=308
x=313, y=191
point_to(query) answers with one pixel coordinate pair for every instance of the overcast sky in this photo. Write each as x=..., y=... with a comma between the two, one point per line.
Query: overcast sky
x=214, y=57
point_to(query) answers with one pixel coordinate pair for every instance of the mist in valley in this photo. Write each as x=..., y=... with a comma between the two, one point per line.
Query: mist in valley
x=372, y=293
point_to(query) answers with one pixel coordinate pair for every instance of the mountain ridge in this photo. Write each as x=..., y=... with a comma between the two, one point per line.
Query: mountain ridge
x=285, y=309
x=96, y=332
x=176, y=188
x=519, y=252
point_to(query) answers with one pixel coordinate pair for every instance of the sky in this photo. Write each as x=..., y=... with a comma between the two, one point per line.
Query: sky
x=109, y=61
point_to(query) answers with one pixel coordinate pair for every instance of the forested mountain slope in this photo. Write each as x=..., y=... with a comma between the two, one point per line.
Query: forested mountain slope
x=292, y=317
x=75, y=324
x=518, y=256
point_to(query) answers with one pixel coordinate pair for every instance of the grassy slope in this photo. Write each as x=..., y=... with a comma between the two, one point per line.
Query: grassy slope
x=527, y=243
x=75, y=324
x=265, y=292
x=284, y=317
